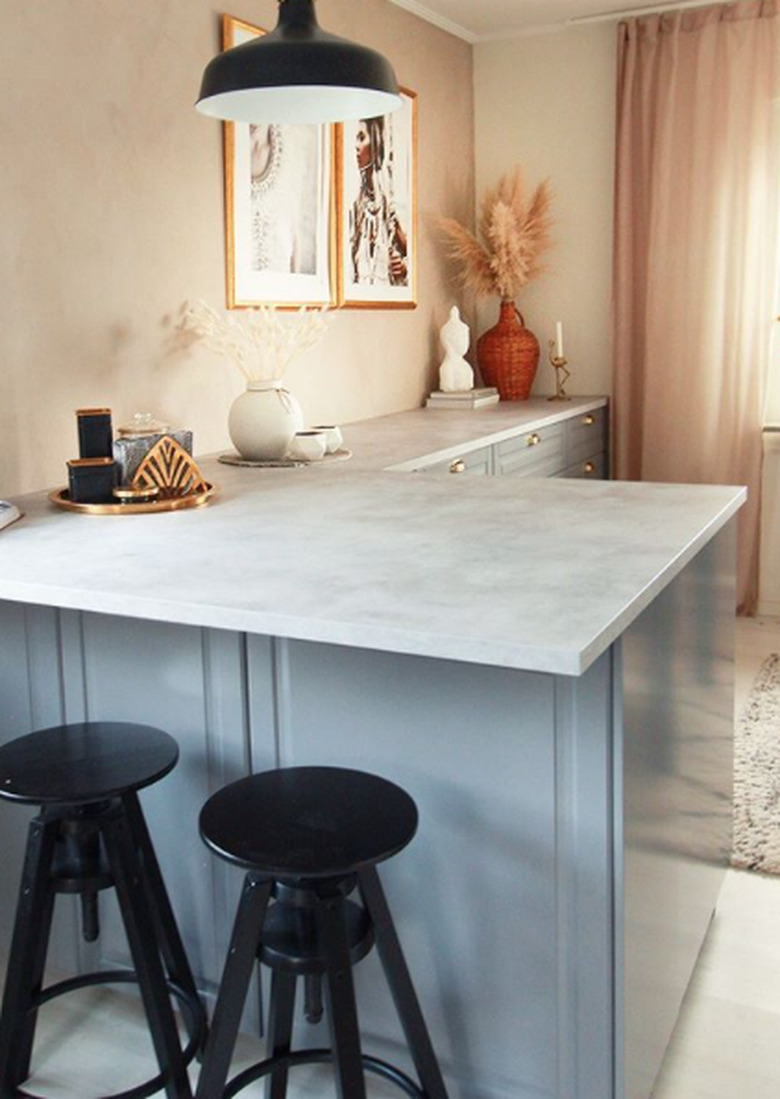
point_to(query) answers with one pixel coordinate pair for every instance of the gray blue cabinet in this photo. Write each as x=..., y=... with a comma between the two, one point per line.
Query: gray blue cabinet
x=573, y=444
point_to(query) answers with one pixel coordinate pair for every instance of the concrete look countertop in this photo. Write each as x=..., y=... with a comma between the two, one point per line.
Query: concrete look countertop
x=517, y=572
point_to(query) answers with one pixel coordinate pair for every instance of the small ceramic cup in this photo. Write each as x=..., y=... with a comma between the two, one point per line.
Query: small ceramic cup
x=308, y=446
x=334, y=437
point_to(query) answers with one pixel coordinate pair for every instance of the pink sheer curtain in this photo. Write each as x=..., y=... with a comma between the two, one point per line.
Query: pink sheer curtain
x=696, y=249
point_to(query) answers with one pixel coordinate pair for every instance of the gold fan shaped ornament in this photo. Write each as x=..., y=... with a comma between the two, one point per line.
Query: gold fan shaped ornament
x=171, y=469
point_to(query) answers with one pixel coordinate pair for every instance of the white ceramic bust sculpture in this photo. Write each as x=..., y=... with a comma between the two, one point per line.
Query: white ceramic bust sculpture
x=455, y=374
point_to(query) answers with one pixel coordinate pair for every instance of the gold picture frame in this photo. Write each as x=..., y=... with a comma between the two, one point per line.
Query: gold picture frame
x=280, y=207
x=377, y=209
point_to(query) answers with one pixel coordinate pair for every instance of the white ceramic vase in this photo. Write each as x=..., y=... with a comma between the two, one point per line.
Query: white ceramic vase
x=263, y=420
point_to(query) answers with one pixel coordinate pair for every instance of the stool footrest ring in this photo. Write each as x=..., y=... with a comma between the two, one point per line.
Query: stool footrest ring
x=195, y=1018
x=320, y=1056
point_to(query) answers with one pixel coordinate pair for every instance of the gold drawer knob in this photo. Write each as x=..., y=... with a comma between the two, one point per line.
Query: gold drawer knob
x=588, y=420
x=533, y=440
x=589, y=467
x=458, y=466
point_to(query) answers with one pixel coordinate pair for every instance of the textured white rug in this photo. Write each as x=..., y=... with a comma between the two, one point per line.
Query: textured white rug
x=757, y=774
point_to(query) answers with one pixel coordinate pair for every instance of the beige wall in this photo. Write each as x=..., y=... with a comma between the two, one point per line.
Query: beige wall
x=111, y=208
x=547, y=102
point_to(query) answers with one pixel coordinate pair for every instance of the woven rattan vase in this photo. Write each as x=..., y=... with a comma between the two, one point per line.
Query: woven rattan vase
x=508, y=355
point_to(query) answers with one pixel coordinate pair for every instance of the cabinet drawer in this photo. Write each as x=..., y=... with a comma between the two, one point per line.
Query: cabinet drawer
x=594, y=468
x=532, y=454
x=585, y=435
x=474, y=462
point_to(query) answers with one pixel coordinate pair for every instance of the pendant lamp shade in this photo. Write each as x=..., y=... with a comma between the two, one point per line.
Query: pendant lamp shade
x=298, y=73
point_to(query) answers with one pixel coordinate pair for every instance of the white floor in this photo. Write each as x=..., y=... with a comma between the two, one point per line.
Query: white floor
x=725, y=1046
x=727, y=1039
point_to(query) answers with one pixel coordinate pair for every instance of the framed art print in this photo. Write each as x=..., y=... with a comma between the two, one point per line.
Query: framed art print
x=279, y=207
x=377, y=182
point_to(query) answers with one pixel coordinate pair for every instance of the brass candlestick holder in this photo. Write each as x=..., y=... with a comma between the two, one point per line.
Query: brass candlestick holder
x=562, y=375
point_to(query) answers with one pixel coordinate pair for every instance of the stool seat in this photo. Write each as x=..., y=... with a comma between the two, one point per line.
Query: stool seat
x=84, y=762
x=308, y=822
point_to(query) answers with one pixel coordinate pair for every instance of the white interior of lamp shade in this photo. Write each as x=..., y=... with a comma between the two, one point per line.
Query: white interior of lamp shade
x=299, y=103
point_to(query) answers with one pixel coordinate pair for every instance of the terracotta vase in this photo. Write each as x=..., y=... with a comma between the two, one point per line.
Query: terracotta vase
x=508, y=355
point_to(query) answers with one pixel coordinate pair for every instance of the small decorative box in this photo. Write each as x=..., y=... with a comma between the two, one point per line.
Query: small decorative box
x=126, y=494
x=91, y=480
x=95, y=434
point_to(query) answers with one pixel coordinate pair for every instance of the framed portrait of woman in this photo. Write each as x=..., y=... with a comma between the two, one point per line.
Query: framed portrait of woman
x=377, y=181
x=280, y=194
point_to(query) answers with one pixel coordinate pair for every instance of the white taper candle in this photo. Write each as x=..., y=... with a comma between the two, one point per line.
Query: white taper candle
x=559, y=338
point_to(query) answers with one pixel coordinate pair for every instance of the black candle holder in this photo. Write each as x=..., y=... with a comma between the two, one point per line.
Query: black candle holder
x=91, y=480
x=95, y=434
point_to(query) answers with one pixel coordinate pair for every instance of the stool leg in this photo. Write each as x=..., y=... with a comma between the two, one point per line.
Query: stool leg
x=260, y=1005
x=89, y=858
x=90, y=916
x=171, y=947
x=312, y=984
x=280, y=1024
x=126, y=871
x=340, y=996
x=401, y=987
x=27, y=960
x=233, y=987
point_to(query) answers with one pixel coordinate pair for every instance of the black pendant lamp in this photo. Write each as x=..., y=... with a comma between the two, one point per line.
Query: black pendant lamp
x=298, y=73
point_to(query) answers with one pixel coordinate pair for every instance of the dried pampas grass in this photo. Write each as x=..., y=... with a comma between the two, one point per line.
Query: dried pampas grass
x=515, y=234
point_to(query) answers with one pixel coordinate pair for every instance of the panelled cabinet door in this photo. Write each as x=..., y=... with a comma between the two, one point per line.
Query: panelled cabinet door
x=539, y=453
x=477, y=462
x=594, y=468
x=585, y=436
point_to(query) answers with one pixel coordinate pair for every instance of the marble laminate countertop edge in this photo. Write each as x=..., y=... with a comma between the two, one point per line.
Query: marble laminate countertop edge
x=534, y=574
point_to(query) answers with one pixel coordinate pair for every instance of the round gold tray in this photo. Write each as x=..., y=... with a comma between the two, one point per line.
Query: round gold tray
x=61, y=497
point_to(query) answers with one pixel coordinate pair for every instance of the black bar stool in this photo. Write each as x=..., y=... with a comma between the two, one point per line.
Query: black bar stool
x=308, y=837
x=90, y=835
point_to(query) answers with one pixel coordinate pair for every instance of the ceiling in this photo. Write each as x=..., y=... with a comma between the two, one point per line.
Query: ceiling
x=475, y=20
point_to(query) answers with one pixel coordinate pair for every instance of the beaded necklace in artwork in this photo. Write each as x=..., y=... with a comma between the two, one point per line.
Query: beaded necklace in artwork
x=262, y=185
x=371, y=258
x=270, y=174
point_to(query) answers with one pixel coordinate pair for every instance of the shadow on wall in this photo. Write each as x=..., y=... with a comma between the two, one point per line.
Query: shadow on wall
x=10, y=465
x=176, y=343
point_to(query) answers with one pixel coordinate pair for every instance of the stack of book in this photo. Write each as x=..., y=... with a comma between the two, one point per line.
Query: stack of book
x=468, y=398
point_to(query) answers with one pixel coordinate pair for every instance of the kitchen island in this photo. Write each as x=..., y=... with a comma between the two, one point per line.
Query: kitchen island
x=545, y=664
